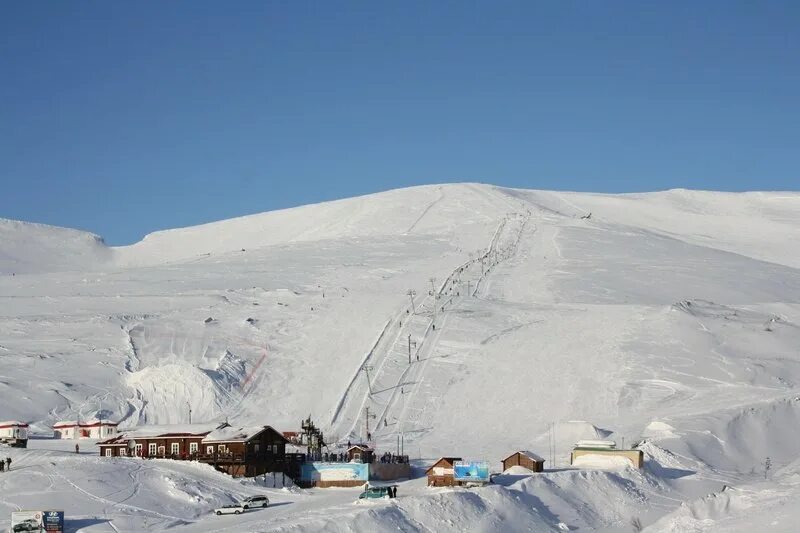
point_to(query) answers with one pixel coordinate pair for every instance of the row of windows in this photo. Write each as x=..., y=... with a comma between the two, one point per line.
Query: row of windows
x=175, y=449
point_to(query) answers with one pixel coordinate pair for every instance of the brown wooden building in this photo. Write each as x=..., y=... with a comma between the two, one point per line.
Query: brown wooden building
x=441, y=473
x=245, y=451
x=360, y=453
x=239, y=451
x=525, y=459
x=150, y=442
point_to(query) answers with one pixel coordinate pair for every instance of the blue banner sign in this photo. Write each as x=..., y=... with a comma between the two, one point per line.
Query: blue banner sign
x=477, y=471
x=318, y=471
x=53, y=521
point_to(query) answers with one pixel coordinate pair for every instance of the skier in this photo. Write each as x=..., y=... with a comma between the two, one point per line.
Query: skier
x=8, y=463
x=77, y=449
x=384, y=422
x=2, y=465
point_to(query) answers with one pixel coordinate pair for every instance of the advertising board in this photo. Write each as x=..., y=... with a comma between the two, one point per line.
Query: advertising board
x=53, y=521
x=37, y=522
x=26, y=522
x=318, y=471
x=476, y=471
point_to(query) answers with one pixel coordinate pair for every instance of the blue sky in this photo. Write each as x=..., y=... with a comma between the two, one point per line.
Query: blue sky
x=125, y=118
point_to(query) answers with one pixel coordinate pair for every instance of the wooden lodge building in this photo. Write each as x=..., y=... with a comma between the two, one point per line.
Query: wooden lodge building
x=442, y=472
x=525, y=459
x=238, y=451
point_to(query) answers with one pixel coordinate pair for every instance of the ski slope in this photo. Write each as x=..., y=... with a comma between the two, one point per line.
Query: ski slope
x=671, y=317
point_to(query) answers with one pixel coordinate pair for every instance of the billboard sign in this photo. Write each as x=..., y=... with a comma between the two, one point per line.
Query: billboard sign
x=26, y=521
x=53, y=521
x=37, y=522
x=477, y=471
x=318, y=471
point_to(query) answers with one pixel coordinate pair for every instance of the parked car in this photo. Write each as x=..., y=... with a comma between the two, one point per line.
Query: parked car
x=389, y=491
x=27, y=525
x=255, y=501
x=230, y=509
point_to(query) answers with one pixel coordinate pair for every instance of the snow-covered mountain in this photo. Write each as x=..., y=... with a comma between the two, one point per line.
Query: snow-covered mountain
x=672, y=317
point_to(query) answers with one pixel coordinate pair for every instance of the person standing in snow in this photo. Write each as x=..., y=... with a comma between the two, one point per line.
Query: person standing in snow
x=8, y=463
x=77, y=449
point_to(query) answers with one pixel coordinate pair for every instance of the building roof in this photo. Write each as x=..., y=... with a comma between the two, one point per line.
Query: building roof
x=450, y=460
x=237, y=434
x=155, y=431
x=609, y=444
x=86, y=424
x=13, y=423
x=529, y=454
x=363, y=447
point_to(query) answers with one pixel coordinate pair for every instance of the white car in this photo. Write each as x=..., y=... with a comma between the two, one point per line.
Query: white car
x=230, y=509
x=255, y=501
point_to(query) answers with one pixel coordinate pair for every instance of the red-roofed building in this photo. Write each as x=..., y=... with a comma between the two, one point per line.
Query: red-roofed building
x=91, y=429
x=14, y=433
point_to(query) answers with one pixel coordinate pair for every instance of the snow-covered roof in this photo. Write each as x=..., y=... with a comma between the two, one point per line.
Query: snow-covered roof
x=450, y=460
x=85, y=423
x=234, y=434
x=527, y=453
x=11, y=423
x=168, y=429
x=596, y=444
x=96, y=422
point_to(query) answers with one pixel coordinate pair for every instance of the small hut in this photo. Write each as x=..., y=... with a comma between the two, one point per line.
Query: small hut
x=360, y=453
x=442, y=472
x=525, y=459
x=603, y=454
x=14, y=433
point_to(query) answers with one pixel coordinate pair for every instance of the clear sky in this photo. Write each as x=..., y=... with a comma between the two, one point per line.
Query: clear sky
x=126, y=117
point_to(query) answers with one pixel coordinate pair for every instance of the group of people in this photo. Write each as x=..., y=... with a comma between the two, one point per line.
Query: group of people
x=389, y=457
x=5, y=465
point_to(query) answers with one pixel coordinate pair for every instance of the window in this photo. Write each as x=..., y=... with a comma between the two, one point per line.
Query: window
x=210, y=450
x=256, y=447
x=161, y=450
x=138, y=450
x=151, y=448
x=108, y=452
x=222, y=448
x=123, y=452
x=192, y=447
x=175, y=448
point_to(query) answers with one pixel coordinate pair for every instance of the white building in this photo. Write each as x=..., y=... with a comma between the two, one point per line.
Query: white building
x=14, y=433
x=90, y=429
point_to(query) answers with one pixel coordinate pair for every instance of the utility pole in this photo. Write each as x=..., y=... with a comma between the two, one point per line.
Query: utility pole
x=367, y=416
x=366, y=369
x=411, y=293
x=410, y=343
x=190, y=412
x=433, y=293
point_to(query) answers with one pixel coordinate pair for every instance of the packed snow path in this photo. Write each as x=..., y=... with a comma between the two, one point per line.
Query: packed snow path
x=396, y=363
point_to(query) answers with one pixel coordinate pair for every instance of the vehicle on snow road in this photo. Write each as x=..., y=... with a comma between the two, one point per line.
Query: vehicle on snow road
x=255, y=501
x=230, y=509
